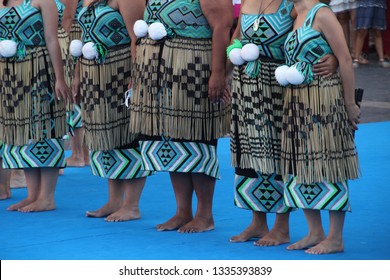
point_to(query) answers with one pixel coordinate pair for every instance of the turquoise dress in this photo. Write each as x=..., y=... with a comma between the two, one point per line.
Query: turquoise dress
x=170, y=105
x=318, y=148
x=60, y=8
x=32, y=120
x=114, y=152
x=257, y=114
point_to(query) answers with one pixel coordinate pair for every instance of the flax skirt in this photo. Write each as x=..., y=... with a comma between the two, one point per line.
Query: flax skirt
x=257, y=107
x=171, y=109
x=318, y=149
x=103, y=89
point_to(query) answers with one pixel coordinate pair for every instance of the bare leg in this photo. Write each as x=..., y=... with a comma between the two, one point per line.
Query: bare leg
x=115, y=197
x=18, y=179
x=379, y=44
x=33, y=179
x=130, y=207
x=204, y=189
x=352, y=31
x=360, y=36
x=77, y=143
x=316, y=231
x=343, y=18
x=45, y=200
x=334, y=242
x=183, y=188
x=257, y=229
x=280, y=233
x=5, y=181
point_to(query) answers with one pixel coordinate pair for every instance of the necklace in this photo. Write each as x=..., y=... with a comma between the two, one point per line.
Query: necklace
x=256, y=23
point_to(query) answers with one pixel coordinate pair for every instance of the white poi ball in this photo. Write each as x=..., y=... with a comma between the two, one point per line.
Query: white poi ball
x=235, y=57
x=280, y=75
x=75, y=48
x=250, y=52
x=293, y=76
x=89, y=51
x=8, y=48
x=140, y=28
x=157, y=31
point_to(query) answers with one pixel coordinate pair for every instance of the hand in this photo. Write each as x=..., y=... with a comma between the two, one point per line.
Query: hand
x=76, y=87
x=326, y=66
x=226, y=96
x=353, y=112
x=216, y=87
x=227, y=93
x=63, y=91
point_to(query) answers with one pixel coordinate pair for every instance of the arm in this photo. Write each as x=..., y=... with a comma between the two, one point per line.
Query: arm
x=131, y=11
x=76, y=82
x=236, y=35
x=327, y=23
x=69, y=13
x=50, y=22
x=219, y=14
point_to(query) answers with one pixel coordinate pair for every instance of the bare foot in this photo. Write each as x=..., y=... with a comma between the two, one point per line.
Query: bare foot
x=306, y=242
x=61, y=171
x=39, y=205
x=274, y=238
x=74, y=161
x=20, y=204
x=326, y=247
x=249, y=233
x=104, y=211
x=124, y=214
x=174, y=223
x=5, y=194
x=197, y=225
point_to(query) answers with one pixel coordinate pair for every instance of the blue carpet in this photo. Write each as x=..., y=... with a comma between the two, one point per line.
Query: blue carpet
x=66, y=234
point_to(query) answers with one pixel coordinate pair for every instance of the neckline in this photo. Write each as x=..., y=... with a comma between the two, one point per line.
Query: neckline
x=277, y=10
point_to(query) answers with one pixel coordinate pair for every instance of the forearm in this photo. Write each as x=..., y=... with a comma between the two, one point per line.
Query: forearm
x=221, y=40
x=69, y=14
x=56, y=59
x=348, y=81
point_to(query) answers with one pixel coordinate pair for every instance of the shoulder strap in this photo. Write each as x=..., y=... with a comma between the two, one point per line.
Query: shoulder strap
x=312, y=14
x=286, y=5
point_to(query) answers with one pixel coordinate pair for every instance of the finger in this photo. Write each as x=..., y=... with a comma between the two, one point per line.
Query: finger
x=353, y=124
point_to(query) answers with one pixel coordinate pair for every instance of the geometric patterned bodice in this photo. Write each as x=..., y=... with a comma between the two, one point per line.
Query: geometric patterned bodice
x=78, y=9
x=306, y=44
x=271, y=32
x=104, y=25
x=60, y=8
x=183, y=18
x=23, y=24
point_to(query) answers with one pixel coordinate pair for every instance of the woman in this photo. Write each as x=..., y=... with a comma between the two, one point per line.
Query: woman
x=33, y=89
x=178, y=101
x=319, y=119
x=104, y=78
x=257, y=120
